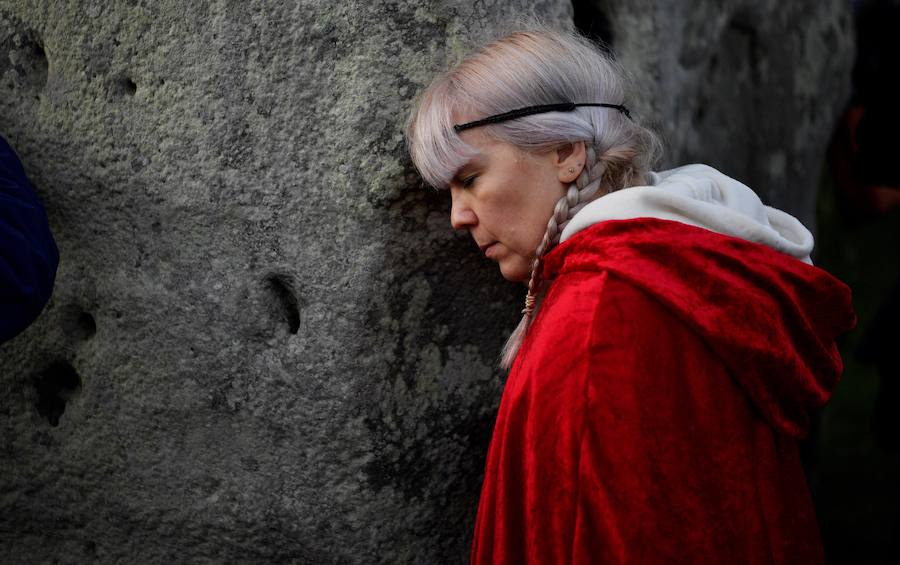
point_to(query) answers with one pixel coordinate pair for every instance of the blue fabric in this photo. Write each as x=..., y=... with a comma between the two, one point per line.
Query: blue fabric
x=28, y=254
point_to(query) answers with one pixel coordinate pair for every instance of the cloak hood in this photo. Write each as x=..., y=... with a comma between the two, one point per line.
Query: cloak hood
x=735, y=271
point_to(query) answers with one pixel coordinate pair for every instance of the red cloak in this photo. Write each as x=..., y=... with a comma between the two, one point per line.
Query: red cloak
x=652, y=413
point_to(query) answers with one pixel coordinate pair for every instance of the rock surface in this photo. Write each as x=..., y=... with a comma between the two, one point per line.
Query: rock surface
x=265, y=344
x=751, y=87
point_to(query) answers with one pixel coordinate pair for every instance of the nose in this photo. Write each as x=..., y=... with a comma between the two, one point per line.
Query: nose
x=461, y=214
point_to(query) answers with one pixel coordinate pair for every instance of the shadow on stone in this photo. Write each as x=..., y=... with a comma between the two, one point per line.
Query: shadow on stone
x=590, y=19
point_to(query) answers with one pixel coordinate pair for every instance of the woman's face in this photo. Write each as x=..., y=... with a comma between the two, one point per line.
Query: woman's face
x=505, y=197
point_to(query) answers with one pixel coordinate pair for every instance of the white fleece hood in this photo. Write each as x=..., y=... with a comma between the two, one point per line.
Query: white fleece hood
x=703, y=197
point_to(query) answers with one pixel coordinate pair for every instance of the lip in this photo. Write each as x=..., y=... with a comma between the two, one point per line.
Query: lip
x=486, y=249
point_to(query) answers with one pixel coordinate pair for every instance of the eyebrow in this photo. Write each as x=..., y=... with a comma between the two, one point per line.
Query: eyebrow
x=473, y=163
x=461, y=172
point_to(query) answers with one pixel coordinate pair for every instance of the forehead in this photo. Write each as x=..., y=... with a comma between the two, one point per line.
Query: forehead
x=485, y=150
x=501, y=157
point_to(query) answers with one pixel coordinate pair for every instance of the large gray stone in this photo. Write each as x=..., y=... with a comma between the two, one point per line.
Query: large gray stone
x=265, y=343
x=269, y=348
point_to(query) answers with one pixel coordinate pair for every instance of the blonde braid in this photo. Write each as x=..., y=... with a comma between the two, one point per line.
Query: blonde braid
x=579, y=193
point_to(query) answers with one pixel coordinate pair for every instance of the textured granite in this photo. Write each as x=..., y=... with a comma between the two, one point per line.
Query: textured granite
x=752, y=87
x=266, y=344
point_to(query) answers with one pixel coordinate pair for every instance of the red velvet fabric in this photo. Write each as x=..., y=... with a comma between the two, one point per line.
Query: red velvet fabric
x=652, y=413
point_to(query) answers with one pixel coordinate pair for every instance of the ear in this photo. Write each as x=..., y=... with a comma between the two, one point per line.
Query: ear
x=570, y=159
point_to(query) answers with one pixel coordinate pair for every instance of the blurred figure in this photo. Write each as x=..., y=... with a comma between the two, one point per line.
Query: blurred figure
x=863, y=158
x=28, y=253
x=864, y=150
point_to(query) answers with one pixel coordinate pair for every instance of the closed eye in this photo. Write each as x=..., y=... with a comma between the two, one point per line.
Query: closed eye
x=468, y=181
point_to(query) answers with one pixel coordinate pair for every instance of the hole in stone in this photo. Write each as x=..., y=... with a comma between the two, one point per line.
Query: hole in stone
x=55, y=386
x=27, y=58
x=77, y=323
x=87, y=325
x=122, y=86
x=286, y=306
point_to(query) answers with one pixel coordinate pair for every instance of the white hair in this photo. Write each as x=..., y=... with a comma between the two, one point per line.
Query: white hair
x=529, y=68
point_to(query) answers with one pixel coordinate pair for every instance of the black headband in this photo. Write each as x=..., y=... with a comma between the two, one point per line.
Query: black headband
x=539, y=109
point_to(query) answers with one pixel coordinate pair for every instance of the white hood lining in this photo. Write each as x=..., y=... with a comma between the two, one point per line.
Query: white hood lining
x=700, y=196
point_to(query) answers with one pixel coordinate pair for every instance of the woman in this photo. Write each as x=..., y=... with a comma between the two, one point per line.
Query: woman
x=674, y=331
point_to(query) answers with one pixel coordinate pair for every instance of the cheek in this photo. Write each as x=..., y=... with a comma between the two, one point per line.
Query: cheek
x=534, y=225
x=545, y=190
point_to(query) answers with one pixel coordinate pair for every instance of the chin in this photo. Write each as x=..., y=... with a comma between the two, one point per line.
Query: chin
x=515, y=273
